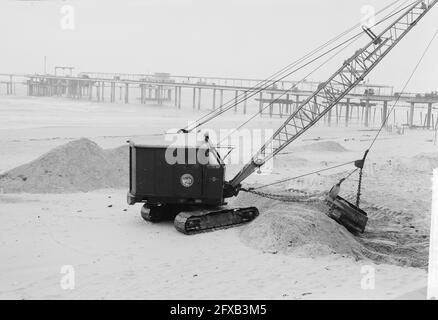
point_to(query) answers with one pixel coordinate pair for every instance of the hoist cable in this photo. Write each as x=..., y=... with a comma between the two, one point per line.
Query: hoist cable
x=259, y=89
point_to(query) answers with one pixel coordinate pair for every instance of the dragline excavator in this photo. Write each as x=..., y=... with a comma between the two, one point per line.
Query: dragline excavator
x=192, y=191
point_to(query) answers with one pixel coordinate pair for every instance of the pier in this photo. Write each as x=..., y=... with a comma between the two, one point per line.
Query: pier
x=366, y=104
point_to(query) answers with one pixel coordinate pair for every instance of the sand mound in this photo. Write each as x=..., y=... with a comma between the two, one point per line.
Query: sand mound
x=119, y=158
x=323, y=146
x=425, y=161
x=305, y=230
x=291, y=161
x=80, y=165
x=298, y=228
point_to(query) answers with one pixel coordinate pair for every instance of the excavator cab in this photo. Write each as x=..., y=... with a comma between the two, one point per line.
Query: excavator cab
x=175, y=175
x=184, y=183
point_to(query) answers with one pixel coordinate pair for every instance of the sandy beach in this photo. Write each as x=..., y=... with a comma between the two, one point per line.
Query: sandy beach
x=292, y=251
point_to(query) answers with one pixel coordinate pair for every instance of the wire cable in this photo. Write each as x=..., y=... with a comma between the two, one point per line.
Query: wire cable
x=286, y=92
x=272, y=77
x=352, y=39
x=259, y=89
x=381, y=127
x=403, y=90
x=302, y=175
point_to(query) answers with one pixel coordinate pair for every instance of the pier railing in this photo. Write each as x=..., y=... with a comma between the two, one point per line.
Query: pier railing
x=364, y=104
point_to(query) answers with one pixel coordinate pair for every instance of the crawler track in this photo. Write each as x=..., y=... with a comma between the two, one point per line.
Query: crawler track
x=192, y=222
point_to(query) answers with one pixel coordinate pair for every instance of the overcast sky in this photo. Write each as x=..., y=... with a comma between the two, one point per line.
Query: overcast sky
x=236, y=38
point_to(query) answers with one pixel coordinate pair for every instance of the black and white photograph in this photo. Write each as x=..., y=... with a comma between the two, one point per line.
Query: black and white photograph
x=218, y=150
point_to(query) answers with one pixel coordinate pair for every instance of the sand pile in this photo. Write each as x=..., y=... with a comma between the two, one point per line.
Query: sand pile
x=291, y=161
x=323, y=146
x=305, y=230
x=77, y=166
x=421, y=163
x=296, y=228
x=425, y=162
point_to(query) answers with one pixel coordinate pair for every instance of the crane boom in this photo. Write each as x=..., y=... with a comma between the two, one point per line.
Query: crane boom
x=330, y=92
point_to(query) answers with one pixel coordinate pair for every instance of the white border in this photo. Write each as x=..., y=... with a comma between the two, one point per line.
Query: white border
x=432, y=285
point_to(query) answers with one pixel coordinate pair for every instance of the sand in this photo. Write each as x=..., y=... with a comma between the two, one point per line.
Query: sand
x=304, y=230
x=424, y=162
x=117, y=255
x=77, y=166
x=323, y=146
x=292, y=251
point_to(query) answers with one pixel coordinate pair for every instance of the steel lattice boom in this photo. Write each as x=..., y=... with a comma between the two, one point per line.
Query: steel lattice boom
x=330, y=92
